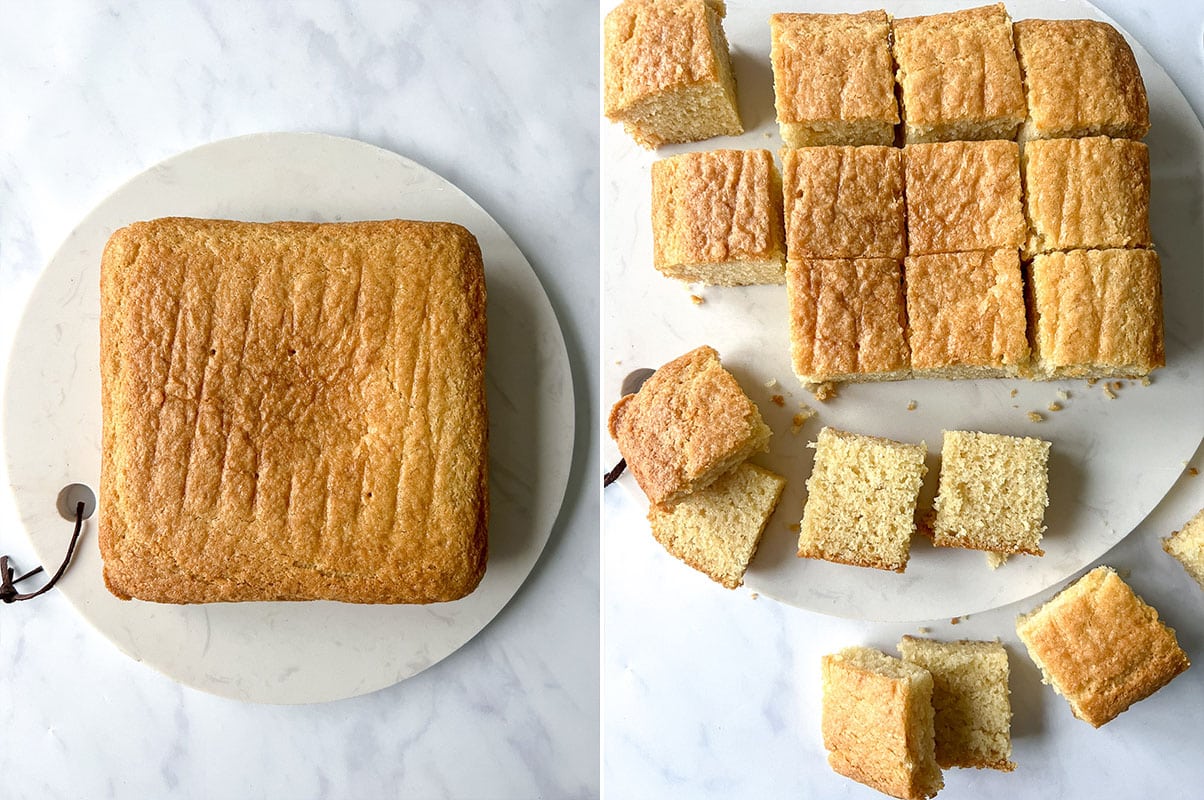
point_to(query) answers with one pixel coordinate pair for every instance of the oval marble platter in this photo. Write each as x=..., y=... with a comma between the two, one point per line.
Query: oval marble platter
x=287, y=652
x=1112, y=461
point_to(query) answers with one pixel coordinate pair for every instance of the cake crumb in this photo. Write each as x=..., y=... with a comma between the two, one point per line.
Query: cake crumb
x=1015, y=392
x=1092, y=381
x=1146, y=381
x=924, y=629
x=1033, y=416
x=1192, y=471
x=778, y=400
x=955, y=621
x=772, y=382
x=1108, y=393
x=1118, y=385
x=801, y=418
x=696, y=300
x=1063, y=394
x=1055, y=406
x=753, y=595
x=911, y=405
x=823, y=391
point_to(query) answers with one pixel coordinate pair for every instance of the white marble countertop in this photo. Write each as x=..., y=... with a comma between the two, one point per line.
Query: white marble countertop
x=714, y=694
x=501, y=101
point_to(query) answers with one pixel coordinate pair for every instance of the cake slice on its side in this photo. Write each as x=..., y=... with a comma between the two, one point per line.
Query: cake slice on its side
x=970, y=696
x=667, y=72
x=1187, y=546
x=861, y=500
x=716, y=530
x=993, y=493
x=1100, y=646
x=689, y=424
x=878, y=723
x=717, y=218
x=1081, y=79
x=833, y=78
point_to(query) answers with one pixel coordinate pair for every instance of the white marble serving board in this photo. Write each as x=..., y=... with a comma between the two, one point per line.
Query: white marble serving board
x=1111, y=460
x=287, y=652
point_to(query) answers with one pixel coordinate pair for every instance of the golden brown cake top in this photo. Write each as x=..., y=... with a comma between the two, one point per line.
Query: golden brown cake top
x=963, y=196
x=293, y=411
x=716, y=206
x=965, y=309
x=1098, y=307
x=844, y=202
x=653, y=46
x=1087, y=193
x=1102, y=647
x=689, y=423
x=833, y=67
x=960, y=65
x=846, y=317
x=1081, y=79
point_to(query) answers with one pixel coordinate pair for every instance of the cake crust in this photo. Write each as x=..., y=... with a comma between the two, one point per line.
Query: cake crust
x=717, y=217
x=966, y=314
x=959, y=76
x=847, y=320
x=1081, y=79
x=963, y=196
x=1086, y=193
x=1101, y=646
x=689, y=424
x=1097, y=313
x=844, y=202
x=286, y=416
x=833, y=78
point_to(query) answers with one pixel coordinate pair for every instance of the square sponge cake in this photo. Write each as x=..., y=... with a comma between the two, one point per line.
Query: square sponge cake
x=293, y=411
x=877, y=722
x=689, y=424
x=1101, y=646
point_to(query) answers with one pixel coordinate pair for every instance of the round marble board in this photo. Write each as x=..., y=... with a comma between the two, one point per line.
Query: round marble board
x=287, y=652
x=1111, y=461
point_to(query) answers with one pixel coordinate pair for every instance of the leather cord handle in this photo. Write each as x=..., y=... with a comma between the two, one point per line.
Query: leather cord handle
x=8, y=584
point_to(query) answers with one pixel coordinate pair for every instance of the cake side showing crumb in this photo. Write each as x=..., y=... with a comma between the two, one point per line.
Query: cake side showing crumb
x=667, y=71
x=846, y=320
x=716, y=530
x=833, y=78
x=973, y=713
x=717, y=218
x=1100, y=646
x=877, y=723
x=1081, y=79
x=689, y=423
x=993, y=492
x=861, y=500
x=1188, y=547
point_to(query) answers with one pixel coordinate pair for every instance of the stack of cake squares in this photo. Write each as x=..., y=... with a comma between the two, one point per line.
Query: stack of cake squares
x=906, y=261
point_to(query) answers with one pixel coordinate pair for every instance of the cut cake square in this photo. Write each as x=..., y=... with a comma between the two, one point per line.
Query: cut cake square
x=717, y=218
x=958, y=75
x=716, y=530
x=667, y=72
x=1086, y=193
x=993, y=493
x=1100, y=646
x=1187, y=546
x=1081, y=79
x=861, y=500
x=966, y=315
x=971, y=699
x=1096, y=313
x=963, y=196
x=689, y=424
x=847, y=320
x=877, y=723
x=833, y=78
x=844, y=202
